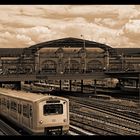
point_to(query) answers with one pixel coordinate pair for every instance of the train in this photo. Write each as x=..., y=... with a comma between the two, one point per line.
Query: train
x=37, y=114
x=130, y=89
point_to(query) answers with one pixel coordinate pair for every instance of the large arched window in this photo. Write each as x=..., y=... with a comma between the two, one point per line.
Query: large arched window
x=72, y=66
x=28, y=69
x=94, y=65
x=10, y=69
x=49, y=66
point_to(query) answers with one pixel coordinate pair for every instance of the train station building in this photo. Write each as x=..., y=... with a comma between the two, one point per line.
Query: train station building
x=67, y=58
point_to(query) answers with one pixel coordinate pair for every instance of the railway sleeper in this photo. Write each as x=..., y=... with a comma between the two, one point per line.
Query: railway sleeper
x=115, y=120
x=106, y=108
x=92, y=129
x=102, y=124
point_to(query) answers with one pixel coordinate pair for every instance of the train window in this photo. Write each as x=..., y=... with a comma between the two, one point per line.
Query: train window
x=31, y=111
x=19, y=108
x=53, y=101
x=49, y=109
x=8, y=104
x=26, y=111
x=13, y=106
x=3, y=102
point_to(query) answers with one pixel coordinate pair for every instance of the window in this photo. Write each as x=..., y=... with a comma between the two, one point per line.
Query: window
x=49, y=109
x=19, y=108
x=26, y=110
x=3, y=102
x=31, y=111
x=13, y=106
x=8, y=104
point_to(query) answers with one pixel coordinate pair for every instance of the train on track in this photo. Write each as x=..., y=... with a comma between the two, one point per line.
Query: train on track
x=37, y=114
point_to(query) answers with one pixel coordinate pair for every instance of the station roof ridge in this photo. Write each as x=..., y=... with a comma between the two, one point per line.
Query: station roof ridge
x=69, y=41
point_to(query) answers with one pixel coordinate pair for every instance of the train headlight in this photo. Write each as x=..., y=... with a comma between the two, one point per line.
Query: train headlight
x=65, y=120
x=41, y=122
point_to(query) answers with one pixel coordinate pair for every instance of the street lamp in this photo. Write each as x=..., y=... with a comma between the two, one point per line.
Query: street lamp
x=122, y=60
x=139, y=92
x=107, y=60
x=84, y=55
x=83, y=40
x=69, y=65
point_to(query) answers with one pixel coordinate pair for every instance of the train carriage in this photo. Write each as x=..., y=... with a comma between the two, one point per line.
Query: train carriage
x=35, y=113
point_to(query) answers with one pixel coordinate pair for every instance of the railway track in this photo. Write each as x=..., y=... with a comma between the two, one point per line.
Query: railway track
x=7, y=129
x=85, y=123
x=78, y=131
x=112, y=126
x=108, y=108
x=13, y=127
x=122, y=120
x=126, y=125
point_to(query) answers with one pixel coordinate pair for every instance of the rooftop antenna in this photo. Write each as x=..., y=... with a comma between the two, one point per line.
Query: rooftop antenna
x=83, y=40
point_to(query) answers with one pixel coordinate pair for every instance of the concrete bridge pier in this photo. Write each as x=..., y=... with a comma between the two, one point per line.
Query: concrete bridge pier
x=137, y=84
x=70, y=84
x=81, y=86
x=60, y=83
x=95, y=84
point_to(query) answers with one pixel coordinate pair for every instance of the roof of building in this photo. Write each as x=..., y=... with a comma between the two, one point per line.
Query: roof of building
x=8, y=52
x=129, y=51
x=70, y=42
x=67, y=43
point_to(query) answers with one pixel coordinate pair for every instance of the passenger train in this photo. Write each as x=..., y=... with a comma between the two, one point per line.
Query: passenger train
x=37, y=114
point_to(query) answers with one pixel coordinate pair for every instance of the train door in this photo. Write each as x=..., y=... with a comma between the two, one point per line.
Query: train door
x=27, y=115
x=4, y=105
x=20, y=112
x=30, y=115
x=8, y=106
x=0, y=103
x=13, y=109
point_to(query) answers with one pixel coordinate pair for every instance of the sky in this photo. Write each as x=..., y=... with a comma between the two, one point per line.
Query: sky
x=115, y=25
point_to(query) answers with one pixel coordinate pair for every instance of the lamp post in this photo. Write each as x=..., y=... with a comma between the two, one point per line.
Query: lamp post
x=107, y=60
x=69, y=65
x=39, y=63
x=121, y=62
x=83, y=40
x=84, y=54
x=139, y=93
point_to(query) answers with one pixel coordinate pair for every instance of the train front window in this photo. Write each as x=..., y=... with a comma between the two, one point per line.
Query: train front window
x=50, y=109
